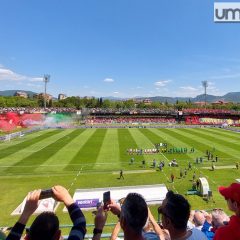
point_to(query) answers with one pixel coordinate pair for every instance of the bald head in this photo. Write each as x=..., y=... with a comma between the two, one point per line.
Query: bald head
x=198, y=218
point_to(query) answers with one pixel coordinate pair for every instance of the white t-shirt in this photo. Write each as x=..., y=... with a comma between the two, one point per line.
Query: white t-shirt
x=190, y=225
x=197, y=235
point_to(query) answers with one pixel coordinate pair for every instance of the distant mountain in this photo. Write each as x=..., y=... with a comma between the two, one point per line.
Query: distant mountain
x=8, y=93
x=209, y=98
x=229, y=97
x=232, y=97
x=167, y=99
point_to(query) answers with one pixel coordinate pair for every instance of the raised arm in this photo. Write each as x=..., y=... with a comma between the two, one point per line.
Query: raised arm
x=30, y=207
x=99, y=222
x=78, y=230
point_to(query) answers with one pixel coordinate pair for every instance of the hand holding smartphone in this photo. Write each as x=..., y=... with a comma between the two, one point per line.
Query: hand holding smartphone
x=47, y=193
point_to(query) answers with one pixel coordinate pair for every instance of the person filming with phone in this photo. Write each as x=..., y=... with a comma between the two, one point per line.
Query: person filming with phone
x=132, y=215
x=46, y=225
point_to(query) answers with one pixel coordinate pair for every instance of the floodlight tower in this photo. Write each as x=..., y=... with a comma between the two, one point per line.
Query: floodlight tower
x=46, y=79
x=205, y=85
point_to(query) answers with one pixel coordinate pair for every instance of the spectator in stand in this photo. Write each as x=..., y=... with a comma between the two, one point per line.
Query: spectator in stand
x=198, y=219
x=132, y=215
x=232, y=196
x=216, y=219
x=219, y=218
x=175, y=211
x=46, y=225
x=151, y=230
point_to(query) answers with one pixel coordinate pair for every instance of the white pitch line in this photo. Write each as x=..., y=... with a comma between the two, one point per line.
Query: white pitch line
x=164, y=156
x=75, y=178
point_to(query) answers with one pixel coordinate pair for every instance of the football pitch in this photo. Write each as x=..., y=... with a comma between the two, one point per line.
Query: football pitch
x=90, y=158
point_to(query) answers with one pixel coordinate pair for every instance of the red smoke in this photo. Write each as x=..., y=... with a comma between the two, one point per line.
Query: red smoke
x=11, y=120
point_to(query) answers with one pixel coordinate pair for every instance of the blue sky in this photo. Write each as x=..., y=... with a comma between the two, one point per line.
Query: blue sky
x=121, y=48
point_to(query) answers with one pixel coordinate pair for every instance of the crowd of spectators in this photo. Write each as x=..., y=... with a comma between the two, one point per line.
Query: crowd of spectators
x=197, y=120
x=135, y=219
x=189, y=111
x=123, y=111
x=21, y=110
x=108, y=117
x=130, y=120
x=133, y=111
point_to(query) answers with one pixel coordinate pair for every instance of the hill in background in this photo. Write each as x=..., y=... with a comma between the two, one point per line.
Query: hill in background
x=229, y=97
x=8, y=93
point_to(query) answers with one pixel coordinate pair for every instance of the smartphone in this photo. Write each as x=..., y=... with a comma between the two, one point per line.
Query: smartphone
x=47, y=193
x=106, y=198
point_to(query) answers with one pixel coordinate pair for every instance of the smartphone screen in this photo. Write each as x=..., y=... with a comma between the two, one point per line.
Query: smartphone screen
x=106, y=198
x=46, y=194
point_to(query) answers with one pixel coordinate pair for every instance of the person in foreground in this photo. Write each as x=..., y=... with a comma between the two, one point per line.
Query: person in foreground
x=46, y=225
x=175, y=211
x=232, y=230
x=132, y=215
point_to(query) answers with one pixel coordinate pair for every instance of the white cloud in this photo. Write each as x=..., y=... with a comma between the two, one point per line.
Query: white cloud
x=36, y=79
x=189, y=88
x=162, y=83
x=116, y=92
x=9, y=75
x=108, y=80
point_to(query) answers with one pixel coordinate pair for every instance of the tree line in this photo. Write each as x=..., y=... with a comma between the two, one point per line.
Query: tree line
x=79, y=103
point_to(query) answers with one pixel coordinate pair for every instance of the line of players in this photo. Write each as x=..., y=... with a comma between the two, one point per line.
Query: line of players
x=157, y=149
x=174, y=163
x=154, y=163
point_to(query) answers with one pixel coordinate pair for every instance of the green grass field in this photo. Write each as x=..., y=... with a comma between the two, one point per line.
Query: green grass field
x=46, y=158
